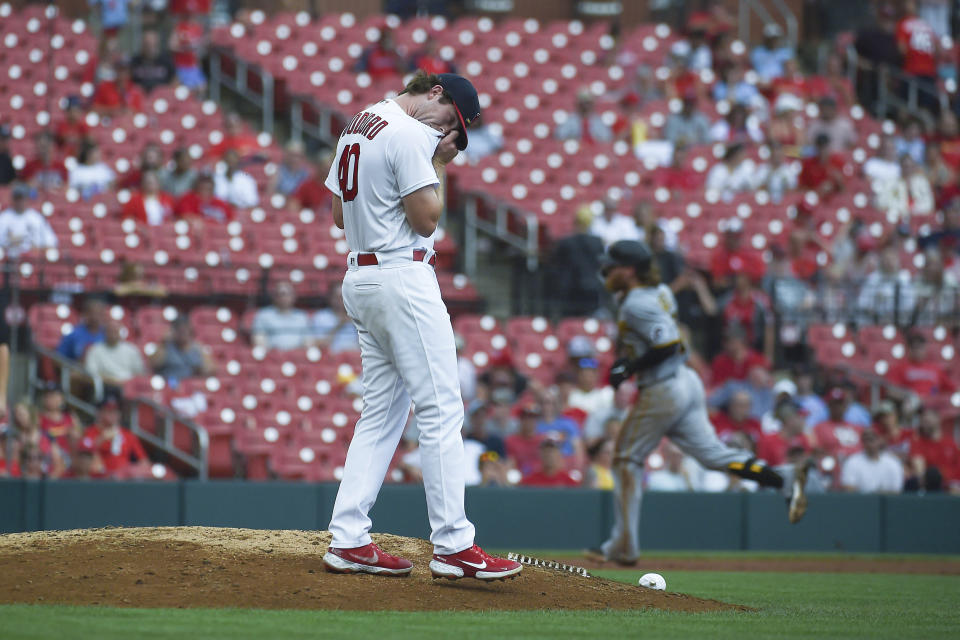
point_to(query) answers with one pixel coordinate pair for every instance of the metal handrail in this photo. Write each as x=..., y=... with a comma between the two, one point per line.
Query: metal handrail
x=528, y=244
x=788, y=18
x=300, y=127
x=884, y=98
x=238, y=83
x=167, y=417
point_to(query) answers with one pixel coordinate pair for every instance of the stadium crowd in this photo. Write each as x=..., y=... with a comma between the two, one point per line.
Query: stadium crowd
x=746, y=311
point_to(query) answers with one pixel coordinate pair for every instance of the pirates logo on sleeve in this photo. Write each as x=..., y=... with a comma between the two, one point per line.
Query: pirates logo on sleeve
x=657, y=335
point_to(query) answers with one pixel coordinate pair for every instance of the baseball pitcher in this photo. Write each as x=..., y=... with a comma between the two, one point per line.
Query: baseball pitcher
x=387, y=180
x=671, y=400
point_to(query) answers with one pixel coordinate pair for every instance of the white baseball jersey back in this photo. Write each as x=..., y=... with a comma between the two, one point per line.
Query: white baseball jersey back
x=382, y=141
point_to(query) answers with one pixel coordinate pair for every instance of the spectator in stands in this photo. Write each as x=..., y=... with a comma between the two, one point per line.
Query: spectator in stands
x=810, y=402
x=733, y=87
x=836, y=436
x=823, y=171
x=466, y=372
x=31, y=437
x=115, y=360
x=933, y=453
x=90, y=331
x=668, y=261
x=235, y=137
x=885, y=166
x=910, y=141
x=876, y=46
x=233, y=185
x=747, y=307
x=118, y=450
x=773, y=447
x=490, y=440
x=187, y=42
x=886, y=422
x=292, y=171
x=873, y=470
x=917, y=199
x=91, y=176
x=675, y=474
x=83, y=462
x=918, y=373
x=55, y=420
x=71, y=132
x=117, y=94
x=584, y=124
x=23, y=228
x=430, y=61
x=736, y=128
x=917, y=43
x=151, y=159
x=32, y=463
x=575, y=263
x=598, y=425
x=493, y=471
x=149, y=205
x=886, y=296
x=133, y=282
x=523, y=447
x=589, y=394
x=679, y=177
x=552, y=472
x=735, y=416
x=783, y=127
x=734, y=173
x=312, y=193
x=332, y=327
x=768, y=58
x=383, y=59
x=839, y=129
x=44, y=172
x=178, y=179
x=793, y=82
x=758, y=384
x=937, y=291
x=8, y=172
x=948, y=136
x=281, y=326
x=611, y=225
x=152, y=67
x=737, y=358
x=600, y=471
x=690, y=126
x=779, y=175
x=201, y=205
x=485, y=140
x=631, y=126
x=180, y=356
x=939, y=173
x=493, y=408
x=734, y=256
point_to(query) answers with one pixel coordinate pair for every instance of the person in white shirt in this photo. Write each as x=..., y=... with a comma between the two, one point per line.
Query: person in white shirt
x=22, y=228
x=613, y=226
x=872, y=470
x=91, y=175
x=588, y=394
x=885, y=291
x=281, y=326
x=115, y=360
x=233, y=185
x=732, y=175
x=885, y=166
x=779, y=175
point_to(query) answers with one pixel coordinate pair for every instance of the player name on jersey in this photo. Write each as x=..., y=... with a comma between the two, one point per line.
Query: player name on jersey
x=366, y=124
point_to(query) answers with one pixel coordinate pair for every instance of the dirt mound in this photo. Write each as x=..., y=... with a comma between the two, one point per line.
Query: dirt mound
x=246, y=568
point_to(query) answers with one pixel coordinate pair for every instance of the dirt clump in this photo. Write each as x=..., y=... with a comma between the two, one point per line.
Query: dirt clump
x=246, y=568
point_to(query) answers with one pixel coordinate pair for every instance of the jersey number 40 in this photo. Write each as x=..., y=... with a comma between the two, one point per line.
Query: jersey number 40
x=348, y=183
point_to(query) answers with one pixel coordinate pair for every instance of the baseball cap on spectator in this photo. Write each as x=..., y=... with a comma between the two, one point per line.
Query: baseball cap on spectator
x=787, y=102
x=530, y=410
x=588, y=363
x=786, y=386
x=584, y=216
x=580, y=347
x=466, y=102
x=865, y=242
x=550, y=441
x=734, y=225
x=86, y=445
x=20, y=191
x=884, y=407
x=502, y=358
x=836, y=394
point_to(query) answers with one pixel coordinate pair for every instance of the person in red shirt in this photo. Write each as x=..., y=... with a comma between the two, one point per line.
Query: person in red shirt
x=151, y=159
x=552, y=471
x=886, y=422
x=523, y=447
x=117, y=96
x=749, y=308
x=917, y=42
x=55, y=420
x=934, y=456
x=822, y=172
x=382, y=60
x=313, y=194
x=736, y=360
x=44, y=172
x=187, y=42
x=736, y=418
x=773, y=447
x=84, y=464
x=237, y=138
x=201, y=205
x=117, y=448
x=679, y=177
x=429, y=61
x=72, y=132
x=189, y=7
x=917, y=373
x=30, y=436
x=835, y=436
x=733, y=257
x=149, y=205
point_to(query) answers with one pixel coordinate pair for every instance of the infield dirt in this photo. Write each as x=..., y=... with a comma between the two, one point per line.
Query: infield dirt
x=246, y=568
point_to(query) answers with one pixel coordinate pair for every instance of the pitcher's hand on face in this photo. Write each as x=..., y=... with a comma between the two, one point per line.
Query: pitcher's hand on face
x=447, y=149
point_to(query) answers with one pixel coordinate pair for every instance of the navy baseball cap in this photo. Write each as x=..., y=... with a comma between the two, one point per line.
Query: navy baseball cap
x=465, y=102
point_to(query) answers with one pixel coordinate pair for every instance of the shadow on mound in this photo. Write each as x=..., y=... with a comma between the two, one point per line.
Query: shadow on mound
x=246, y=568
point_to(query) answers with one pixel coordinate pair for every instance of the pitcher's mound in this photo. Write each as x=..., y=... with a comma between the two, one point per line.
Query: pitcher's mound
x=247, y=568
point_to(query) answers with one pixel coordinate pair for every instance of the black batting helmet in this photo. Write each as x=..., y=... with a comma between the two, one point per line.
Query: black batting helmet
x=623, y=253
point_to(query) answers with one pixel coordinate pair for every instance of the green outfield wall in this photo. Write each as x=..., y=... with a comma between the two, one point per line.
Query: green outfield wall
x=505, y=518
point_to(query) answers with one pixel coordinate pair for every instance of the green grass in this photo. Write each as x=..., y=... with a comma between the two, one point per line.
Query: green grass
x=792, y=605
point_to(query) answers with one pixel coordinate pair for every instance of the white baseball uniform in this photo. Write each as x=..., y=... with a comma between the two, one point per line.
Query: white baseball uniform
x=406, y=340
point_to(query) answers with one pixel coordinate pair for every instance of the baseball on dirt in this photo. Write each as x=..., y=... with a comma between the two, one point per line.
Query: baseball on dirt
x=653, y=581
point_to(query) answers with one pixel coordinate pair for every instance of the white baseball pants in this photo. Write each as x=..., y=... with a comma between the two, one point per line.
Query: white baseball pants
x=675, y=408
x=408, y=353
